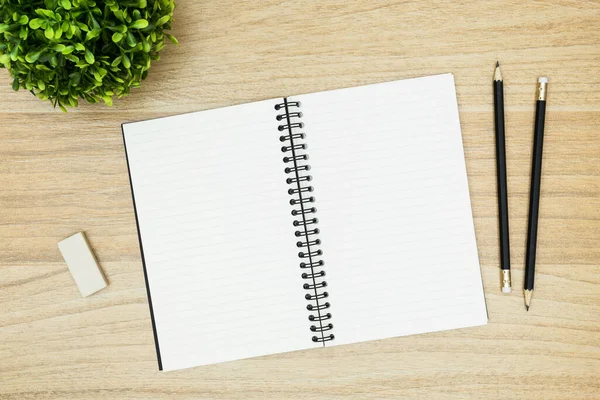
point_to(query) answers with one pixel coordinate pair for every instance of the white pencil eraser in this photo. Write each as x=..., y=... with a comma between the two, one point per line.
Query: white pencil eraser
x=506, y=290
x=82, y=263
x=543, y=79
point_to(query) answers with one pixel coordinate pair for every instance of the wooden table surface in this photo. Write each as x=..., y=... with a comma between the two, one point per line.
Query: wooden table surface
x=60, y=174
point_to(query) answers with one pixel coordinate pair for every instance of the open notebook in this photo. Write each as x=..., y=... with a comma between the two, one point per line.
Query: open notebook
x=251, y=247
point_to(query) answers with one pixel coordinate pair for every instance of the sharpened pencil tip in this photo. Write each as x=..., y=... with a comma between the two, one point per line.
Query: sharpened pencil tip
x=497, y=73
x=528, y=294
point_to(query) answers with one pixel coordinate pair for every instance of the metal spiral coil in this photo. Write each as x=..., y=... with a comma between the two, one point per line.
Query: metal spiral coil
x=300, y=188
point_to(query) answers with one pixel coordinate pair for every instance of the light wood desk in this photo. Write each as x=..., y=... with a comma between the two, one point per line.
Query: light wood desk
x=60, y=174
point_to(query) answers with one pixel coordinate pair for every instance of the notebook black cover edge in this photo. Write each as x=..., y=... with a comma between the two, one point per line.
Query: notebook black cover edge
x=137, y=224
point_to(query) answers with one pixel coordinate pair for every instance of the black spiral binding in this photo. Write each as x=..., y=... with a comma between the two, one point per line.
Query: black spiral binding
x=311, y=264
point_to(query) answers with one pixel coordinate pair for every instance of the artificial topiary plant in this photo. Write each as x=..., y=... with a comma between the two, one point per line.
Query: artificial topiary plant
x=63, y=50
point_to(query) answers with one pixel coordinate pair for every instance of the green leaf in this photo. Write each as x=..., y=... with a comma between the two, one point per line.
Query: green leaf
x=49, y=33
x=23, y=20
x=41, y=85
x=163, y=20
x=116, y=62
x=82, y=26
x=131, y=41
x=172, y=38
x=79, y=47
x=94, y=33
x=139, y=24
x=14, y=54
x=126, y=61
x=45, y=13
x=146, y=46
x=23, y=32
x=59, y=47
x=117, y=37
x=58, y=33
x=89, y=57
x=36, y=23
x=119, y=15
x=74, y=79
x=15, y=84
x=3, y=28
x=33, y=56
x=66, y=4
x=68, y=50
x=5, y=59
x=95, y=24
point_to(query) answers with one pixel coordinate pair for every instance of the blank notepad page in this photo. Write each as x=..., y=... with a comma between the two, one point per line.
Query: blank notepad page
x=211, y=201
x=394, y=211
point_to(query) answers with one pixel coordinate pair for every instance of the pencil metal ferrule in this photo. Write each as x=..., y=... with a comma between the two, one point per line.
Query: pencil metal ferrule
x=541, y=89
x=506, y=282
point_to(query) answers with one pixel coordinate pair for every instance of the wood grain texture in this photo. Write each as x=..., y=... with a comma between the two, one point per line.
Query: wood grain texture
x=60, y=174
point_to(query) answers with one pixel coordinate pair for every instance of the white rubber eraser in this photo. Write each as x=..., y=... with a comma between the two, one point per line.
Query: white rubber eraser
x=543, y=79
x=506, y=290
x=82, y=263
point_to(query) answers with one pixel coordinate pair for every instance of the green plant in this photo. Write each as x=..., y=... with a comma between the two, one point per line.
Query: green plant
x=63, y=50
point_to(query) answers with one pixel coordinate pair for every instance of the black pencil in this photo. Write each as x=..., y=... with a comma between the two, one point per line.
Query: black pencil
x=502, y=184
x=534, y=194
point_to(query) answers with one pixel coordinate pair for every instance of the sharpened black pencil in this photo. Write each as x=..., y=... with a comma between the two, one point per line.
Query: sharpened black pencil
x=502, y=182
x=534, y=194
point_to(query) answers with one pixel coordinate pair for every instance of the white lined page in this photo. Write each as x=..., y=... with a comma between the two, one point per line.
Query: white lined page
x=391, y=188
x=220, y=255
